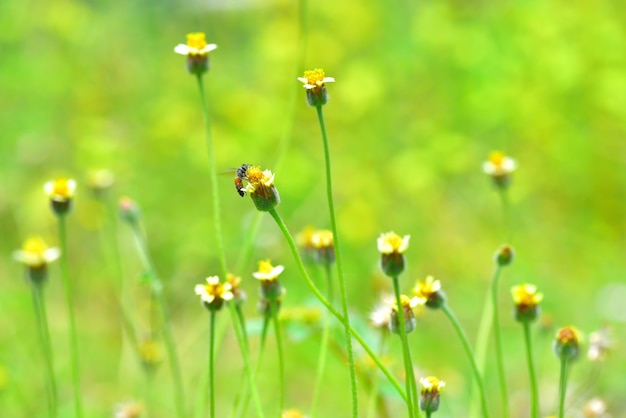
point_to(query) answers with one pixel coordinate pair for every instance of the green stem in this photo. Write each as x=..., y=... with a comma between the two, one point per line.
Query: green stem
x=281, y=357
x=562, y=387
x=534, y=392
x=246, y=358
x=339, y=263
x=331, y=309
x=482, y=340
x=70, y=311
x=219, y=239
x=211, y=390
x=408, y=364
x=470, y=355
x=498, y=339
x=374, y=398
x=506, y=214
x=39, y=304
x=321, y=361
x=157, y=293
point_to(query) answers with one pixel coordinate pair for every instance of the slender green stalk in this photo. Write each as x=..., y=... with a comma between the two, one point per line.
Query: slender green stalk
x=294, y=250
x=219, y=239
x=157, y=292
x=506, y=214
x=534, y=391
x=39, y=305
x=69, y=298
x=428, y=414
x=374, y=398
x=482, y=340
x=339, y=263
x=470, y=355
x=562, y=386
x=408, y=364
x=246, y=359
x=281, y=358
x=211, y=391
x=321, y=361
x=498, y=338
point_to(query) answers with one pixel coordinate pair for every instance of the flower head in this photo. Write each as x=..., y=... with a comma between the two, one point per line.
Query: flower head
x=504, y=256
x=567, y=342
x=392, y=247
x=151, y=353
x=129, y=210
x=239, y=296
x=499, y=167
x=429, y=292
x=35, y=255
x=430, y=390
x=380, y=317
x=267, y=271
x=261, y=188
x=408, y=304
x=100, y=180
x=197, y=51
x=315, y=84
x=214, y=293
x=61, y=192
x=324, y=246
x=271, y=289
x=526, y=300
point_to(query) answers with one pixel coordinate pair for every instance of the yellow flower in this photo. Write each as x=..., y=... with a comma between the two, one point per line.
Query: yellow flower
x=60, y=190
x=526, y=295
x=567, y=343
x=498, y=164
x=429, y=398
x=150, y=352
x=431, y=384
x=292, y=413
x=214, y=292
x=390, y=243
x=35, y=253
x=267, y=272
x=406, y=302
x=322, y=239
x=426, y=289
x=305, y=238
x=315, y=79
x=261, y=188
x=196, y=45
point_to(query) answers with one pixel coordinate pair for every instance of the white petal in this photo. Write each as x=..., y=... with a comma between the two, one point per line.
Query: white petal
x=182, y=49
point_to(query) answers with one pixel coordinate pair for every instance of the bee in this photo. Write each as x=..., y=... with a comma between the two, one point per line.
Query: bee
x=241, y=175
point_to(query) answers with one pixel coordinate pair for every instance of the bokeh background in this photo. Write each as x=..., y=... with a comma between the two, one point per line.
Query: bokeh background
x=425, y=90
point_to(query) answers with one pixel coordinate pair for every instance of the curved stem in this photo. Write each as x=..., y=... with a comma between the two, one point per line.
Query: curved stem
x=69, y=298
x=331, y=309
x=219, y=239
x=498, y=339
x=534, y=392
x=470, y=355
x=321, y=361
x=39, y=304
x=408, y=364
x=562, y=387
x=281, y=358
x=339, y=263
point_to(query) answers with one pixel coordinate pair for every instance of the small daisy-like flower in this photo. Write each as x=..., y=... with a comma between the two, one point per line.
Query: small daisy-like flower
x=567, y=342
x=214, y=293
x=261, y=188
x=35, y=256
x=408, y=304
x=305, y=242
x=429, y=292
x=324, y=246
x=315, y=84
x=599, y=344
x=239, y=296
x=197, y=51
x=128, y=409
x=61, y=192
x=499, y=167
x=151, y=353
x=430, y=390
x=504, y=256
x=526, y=300
x=271, y=289
x=392, y=247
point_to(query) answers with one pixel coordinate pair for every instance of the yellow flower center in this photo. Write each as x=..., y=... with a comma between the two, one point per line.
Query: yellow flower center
x=497, y=158
x=526, y=295
x=322, y=239
x=265, y=267
x=567, y=335
x=62, y=188
x=315, y=77
x=254, y=174
x=196, y=40
x=431, y=384
x=35, y=246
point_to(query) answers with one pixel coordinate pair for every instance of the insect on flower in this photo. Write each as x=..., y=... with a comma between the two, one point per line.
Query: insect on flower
x=241, y=174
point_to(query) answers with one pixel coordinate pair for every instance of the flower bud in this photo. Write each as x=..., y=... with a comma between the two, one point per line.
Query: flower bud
x=430, y=393
x=61, y=193
x=566, y=345
x=392, y=247
x=504, y=256
x=526, y=300
x=314, y=83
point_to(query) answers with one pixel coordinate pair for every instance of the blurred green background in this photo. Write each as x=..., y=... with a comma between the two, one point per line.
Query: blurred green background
x=425, y=90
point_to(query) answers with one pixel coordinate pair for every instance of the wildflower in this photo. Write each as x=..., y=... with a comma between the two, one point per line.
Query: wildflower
x=499, y=167
x=431, y=388
x=61, y=192
x=526, y=299
x=392, y=248
x=213, y=293
x=504, y=256
x=567, y=342
x=261, y=188
x=151, y=354
x=197, y=51
x=129, y=210
x=128, y=409
x=380, y=317
x=315, y=85
x=305, y=242
x=595, y=408
x=599, y=344
x=407, y=311
x=100, y=181
x=271, y=288
x=429, y=291
x=292, y=413
x=324, y=245
x=35, y=256
x=239, y=295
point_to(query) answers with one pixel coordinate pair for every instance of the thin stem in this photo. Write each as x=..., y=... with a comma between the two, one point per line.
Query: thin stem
x=281, y=358
x=534, y=392
x=408, y=364
x=331, y=309
x=562, y=387
x=78, y=406
x=212, y=365
x=321, y=361
x=482, y=340
x=157, y=292
x=374, y=398
x=39, y=304
x=339, y=263
x=470, y=355
x=219, y=239
x=498, y=339
x=506, y=214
